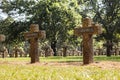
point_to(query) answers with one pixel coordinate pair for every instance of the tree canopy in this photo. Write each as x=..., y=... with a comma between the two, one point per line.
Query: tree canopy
x=56, y=17
x=59, y=17
x=106, y=12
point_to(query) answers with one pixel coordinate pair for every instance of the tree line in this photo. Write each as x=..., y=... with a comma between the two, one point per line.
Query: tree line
x=58, y=18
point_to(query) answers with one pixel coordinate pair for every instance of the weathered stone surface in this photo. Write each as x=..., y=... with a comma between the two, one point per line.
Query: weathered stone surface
x=34, y=35
x=87, y=30
x=34, y=28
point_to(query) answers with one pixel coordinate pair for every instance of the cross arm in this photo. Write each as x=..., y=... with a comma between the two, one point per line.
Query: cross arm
x=97, y=29
x=94, y=29
x=83, y=30
x=40, y=34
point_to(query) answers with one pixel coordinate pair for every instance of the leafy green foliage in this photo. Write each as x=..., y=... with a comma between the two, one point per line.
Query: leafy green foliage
x=56, y=17
x=106, y=12
x=4, y=24
x=14, y=32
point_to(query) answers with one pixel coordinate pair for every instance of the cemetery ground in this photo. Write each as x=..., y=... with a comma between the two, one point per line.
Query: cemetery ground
x=60, y=68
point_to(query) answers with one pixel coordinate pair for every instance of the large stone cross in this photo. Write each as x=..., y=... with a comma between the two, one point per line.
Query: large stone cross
x=87, y=30
x=34, y=36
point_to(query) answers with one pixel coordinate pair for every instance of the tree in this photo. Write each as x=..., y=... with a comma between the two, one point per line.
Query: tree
x=56, y=17
x=4, y=24
x=106, y=12
x=109, y=17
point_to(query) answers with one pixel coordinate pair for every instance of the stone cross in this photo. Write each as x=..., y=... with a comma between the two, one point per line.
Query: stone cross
x=87, y=30
x=34, y=36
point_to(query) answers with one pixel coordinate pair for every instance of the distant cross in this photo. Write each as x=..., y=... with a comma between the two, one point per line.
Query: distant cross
x=87, y=30
x=34, y=36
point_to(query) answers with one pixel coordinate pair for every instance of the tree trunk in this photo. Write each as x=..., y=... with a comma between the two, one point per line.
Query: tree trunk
x=46, y=51
x=16, y=53
x=109, y=48
x=108, y=51
x=53, y=46
x=64, y=51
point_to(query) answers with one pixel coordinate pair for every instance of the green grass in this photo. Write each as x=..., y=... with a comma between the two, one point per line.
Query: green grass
x=42, y=72
x=104, y=58
x=27, y=72
x=64, y=59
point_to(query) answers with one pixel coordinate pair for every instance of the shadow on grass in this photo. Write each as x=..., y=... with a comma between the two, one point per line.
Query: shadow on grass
x=105, y=58
x=61, y=57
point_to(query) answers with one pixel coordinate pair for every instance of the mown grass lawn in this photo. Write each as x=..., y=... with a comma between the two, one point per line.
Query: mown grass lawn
x=10, y=71
x=64, y=59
